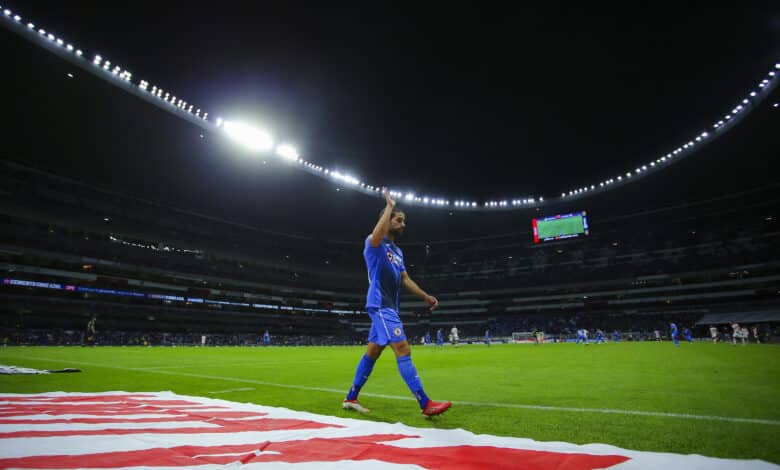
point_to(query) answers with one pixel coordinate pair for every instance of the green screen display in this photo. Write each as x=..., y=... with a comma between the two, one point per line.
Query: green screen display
x=560, y=226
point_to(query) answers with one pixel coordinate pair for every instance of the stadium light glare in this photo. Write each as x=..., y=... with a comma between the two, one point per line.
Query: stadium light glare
x=287, y=151
x=251, y=137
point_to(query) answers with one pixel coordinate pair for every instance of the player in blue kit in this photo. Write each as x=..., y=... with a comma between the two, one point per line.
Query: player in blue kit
x=427, y=338
x=440, y=337
x=687, y=335
x=386, y=275
x=487, y=337
x=266, y=338
x=674, y=334
x=582, y=335
x=615, y=336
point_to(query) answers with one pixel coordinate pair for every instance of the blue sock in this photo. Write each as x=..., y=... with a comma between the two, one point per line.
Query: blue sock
x=409, y=373
x=364, y=368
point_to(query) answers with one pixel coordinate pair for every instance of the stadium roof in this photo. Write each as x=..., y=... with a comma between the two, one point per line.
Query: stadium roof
x=474, y=103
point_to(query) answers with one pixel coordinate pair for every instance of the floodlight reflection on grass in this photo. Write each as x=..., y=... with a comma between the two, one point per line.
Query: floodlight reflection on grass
x=251, y=137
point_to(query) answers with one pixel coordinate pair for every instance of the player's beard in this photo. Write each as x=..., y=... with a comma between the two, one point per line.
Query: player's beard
x=396, y=233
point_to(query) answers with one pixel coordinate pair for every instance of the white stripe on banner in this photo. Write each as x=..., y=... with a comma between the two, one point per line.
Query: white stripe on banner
x=282, y=438
x=660, y=414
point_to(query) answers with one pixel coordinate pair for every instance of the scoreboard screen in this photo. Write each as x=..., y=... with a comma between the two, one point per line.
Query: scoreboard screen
x=561, y=226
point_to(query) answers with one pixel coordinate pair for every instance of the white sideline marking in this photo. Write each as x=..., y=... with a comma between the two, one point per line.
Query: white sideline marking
x=245, y=389
x=220, y=364
x=662, y=414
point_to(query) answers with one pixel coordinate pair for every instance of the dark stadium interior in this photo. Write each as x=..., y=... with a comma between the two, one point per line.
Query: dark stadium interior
x=101, y=193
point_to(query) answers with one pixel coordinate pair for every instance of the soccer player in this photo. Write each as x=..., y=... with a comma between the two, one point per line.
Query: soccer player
x=266, y=338
x=599, y=337
x=687, y=334
x=454, y=336
x=714, y=334
x=487, y=337
x=615, y=336
x=735, y=333
x=673, y=326
x=744, y=334
x=440, y=337
x=427, y=338
x=386, y=274
x=91, y=331
x=582, y=335
x=755, y=334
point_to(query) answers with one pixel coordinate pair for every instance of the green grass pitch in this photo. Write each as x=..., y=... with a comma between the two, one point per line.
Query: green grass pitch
x=484, y=383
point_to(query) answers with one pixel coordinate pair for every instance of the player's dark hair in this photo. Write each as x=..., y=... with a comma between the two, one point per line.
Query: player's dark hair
x=396, y=210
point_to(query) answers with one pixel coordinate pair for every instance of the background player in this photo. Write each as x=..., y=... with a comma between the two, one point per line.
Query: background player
x=714, y=334
x=687, y=335
x=673, y=327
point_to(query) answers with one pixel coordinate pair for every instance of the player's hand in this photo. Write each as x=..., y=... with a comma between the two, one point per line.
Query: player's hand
x=432, y=301
x=388, y=197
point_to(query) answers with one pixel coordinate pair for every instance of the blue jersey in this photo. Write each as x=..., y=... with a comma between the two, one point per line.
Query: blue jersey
x=674, y=328
x=385, y=263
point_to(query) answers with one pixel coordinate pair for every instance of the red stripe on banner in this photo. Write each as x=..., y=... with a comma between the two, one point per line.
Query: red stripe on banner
x=268, y=424
x=70, y=398
x=328, y=450
x=110, y=420
x=98, y=410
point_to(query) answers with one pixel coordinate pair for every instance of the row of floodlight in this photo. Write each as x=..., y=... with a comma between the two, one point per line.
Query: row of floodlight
x=261, y=140
x=668, y=157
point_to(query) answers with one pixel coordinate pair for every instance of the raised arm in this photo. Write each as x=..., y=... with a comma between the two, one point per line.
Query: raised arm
x=413, y=288
x=383, y=225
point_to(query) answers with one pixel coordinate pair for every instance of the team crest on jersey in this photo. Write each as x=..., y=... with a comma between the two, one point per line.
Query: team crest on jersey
x=397, y=331
x=390, y=256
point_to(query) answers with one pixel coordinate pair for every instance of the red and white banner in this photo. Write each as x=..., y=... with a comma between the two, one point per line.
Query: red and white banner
x=164, y=431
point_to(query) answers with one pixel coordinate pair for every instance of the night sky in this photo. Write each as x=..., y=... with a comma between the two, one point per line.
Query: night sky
x=472, y=102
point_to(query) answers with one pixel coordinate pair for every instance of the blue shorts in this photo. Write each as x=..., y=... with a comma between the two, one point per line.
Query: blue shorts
x=386, y=326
